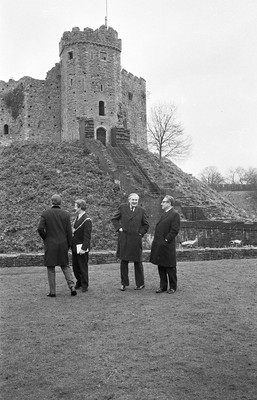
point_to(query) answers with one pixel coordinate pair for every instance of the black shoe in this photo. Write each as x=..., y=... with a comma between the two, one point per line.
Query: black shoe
x=160, y=290
x=123, y=288
x=139, y=287
x=84, y=289
x=78, y=285
x=73, y=292
x=171, y=291
x=51, y=295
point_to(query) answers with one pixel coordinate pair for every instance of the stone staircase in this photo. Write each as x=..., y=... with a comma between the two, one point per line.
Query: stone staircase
x=125, y=161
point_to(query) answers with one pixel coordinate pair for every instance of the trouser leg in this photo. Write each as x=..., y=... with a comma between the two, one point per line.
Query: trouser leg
x=124, y=273
x=172, y=274
x=83, y=267
x=76, y=269
x=163, y=277
x=51, y=279
x=139, y=273
x=68, y=275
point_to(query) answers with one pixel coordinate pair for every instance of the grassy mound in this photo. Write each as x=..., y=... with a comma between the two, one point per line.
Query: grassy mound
x=31, y=173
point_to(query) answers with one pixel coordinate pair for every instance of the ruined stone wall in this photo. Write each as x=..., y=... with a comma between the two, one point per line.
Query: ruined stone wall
x=134, y=104
x=37, y=117
x=12, y=96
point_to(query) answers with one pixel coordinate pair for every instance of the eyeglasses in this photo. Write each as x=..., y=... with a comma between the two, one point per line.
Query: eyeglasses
x=165, y=201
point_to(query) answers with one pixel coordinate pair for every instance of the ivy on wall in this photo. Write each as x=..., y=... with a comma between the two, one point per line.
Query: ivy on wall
x=14, y=100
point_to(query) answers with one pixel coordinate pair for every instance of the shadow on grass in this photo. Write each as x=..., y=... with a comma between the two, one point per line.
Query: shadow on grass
x=199, y=343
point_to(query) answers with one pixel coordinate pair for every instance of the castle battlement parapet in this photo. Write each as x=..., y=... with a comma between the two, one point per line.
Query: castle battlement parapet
x=103, y=36
x=129, y=76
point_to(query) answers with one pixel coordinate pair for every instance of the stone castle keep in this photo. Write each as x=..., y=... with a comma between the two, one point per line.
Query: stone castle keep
x=85, y=95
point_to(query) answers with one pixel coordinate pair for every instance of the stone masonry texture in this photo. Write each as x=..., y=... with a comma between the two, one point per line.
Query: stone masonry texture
x=86, y=94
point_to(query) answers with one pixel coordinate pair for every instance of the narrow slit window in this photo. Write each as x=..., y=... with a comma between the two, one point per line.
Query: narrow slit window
x=101, y=108
x=70, y=55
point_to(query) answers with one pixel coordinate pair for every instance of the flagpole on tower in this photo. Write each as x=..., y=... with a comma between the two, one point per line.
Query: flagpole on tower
x=106, y=14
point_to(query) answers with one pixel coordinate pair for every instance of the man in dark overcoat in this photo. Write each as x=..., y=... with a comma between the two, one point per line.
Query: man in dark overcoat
x=163, y=250
x=82, y=227
x=55, y=229
x=131, y=223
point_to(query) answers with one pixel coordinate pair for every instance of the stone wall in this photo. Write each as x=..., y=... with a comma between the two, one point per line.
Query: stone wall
x=39, y=117
x=107, y=257
x=134, y=102
x=87, y=85
x=217, y=234
x=90, y=73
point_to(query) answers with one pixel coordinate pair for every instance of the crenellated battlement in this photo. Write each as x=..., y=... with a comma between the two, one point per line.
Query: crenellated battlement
x=102, y=36
x=130, y=77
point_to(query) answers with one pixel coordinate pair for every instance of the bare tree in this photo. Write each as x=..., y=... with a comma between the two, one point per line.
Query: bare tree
x=166, y=135
x=236, y=175
x=251, y=176
x=211, y=176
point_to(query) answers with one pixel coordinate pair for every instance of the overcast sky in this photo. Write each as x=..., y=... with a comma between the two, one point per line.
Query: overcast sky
x=200, y=55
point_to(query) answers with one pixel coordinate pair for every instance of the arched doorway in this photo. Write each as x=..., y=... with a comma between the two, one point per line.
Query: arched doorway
x=101, y=135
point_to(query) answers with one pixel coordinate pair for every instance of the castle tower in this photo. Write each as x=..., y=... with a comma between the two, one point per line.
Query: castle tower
x=90, y=83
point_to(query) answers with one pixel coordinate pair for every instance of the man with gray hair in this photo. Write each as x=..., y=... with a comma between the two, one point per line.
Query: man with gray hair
x=130, y=221
x=55, y=230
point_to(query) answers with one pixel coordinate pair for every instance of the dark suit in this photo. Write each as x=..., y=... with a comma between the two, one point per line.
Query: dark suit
x=134, y=225
x=163, y=250
x=82, y=228
x=55, y=229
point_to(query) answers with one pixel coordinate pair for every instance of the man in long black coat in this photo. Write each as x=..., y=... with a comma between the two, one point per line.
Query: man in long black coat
x=55, y=229
x=130, y=221
x=163, y=250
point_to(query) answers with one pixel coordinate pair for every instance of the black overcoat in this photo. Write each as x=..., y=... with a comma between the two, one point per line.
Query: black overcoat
x=55, y=229
x=135, y=225
x=163, y=252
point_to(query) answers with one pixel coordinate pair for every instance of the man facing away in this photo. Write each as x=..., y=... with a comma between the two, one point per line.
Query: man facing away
x=130, y=221
x=55, y=229
x=163, y=250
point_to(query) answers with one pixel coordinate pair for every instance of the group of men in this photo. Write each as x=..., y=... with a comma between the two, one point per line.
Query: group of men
x=131, y=223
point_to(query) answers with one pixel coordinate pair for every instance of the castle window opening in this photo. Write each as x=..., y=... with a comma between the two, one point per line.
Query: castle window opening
x=70, y=55
x=101, y=108
x=101, y=88
x=130, y=96
x=6, y=129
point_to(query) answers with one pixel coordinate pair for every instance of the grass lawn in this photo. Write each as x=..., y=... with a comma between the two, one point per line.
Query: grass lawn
x=200, y=343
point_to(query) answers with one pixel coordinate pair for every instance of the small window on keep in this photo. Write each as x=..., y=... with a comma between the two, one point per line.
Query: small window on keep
x=101, y=108
x=103, y=55
x=130, y=96
x=70, y=55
